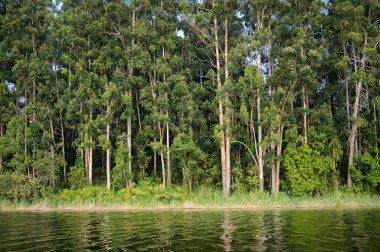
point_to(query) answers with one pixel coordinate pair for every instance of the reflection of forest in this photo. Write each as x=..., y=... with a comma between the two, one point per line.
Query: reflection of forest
x=272, y=230
x=228, y=229
x=269, y=232
x=96, y=232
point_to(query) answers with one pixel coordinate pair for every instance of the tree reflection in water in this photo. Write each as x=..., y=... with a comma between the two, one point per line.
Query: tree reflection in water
x=228, y=229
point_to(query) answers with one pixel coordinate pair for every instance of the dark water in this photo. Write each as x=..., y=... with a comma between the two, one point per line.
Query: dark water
x=272, y=230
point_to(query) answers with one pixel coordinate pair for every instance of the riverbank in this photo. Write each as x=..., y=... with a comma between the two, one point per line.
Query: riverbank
x=177, y=198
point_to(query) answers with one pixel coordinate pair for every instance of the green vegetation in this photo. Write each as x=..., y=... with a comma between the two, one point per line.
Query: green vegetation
x=150, y=195
x=97, y=98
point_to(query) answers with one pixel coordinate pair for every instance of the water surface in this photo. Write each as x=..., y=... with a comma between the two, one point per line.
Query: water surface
x=232, y=230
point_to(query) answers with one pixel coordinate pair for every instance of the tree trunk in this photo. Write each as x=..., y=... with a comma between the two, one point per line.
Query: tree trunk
x=63, y=148
x=154, y=161
x=227, y=135
x=278, y=154
x=129, y=142
x=259, y=130
x=169, y=180
x=221, y=123
x=162, y=157
x=304, y=114
x=138, y=109
x=353, y=132
x=108, y=159
x=25, y=129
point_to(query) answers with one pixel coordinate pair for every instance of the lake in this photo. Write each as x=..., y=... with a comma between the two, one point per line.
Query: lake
x=208, y=230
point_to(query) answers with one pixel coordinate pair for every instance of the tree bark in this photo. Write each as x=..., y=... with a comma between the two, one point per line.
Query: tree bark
x=108, y=159
x=304, y=114
x=221, y=123
x=259, y=131
x=353, y=132
x=227, y=135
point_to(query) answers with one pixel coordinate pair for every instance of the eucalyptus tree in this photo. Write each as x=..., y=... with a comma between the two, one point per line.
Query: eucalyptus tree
x=357, y=36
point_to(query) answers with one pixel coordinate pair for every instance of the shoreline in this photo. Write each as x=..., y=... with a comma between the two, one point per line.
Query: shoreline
x=126, y=208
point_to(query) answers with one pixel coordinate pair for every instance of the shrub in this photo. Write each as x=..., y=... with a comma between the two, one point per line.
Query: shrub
x=77, y=177
x=365, y=173
x=307, y=171
x=16, y=186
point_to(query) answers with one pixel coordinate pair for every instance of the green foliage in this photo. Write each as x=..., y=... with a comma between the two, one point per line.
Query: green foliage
x=306, y=171
x=366, y=173
x=188, y=157
x=76, y=77
x=76, y=177
x=17, y=186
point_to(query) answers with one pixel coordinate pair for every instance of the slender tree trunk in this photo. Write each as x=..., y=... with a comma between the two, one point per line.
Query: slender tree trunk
x=227, y=135
x=90, y=165
x=138, y=110
x=90, y=149
x=25, y=129
x=221, y=123
x=354, y=126
x=353, y=132
x=162, y=157
x=63, y=148
x=52, y=136
x=34, y=100
x=108, y=158
x=129, y=119
x=154, y=161
x=304, y=114
x=129, y=143
x=278, y=154
x=259, y=130
x=169, y=180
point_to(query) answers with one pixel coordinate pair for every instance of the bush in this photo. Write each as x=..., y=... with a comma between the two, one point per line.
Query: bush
x=307, y=171
x=77, y=177
x=16, y=186
x=365, y=173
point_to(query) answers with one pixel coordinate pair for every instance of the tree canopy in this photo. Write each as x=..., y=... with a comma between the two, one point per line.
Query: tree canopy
x=257, y=95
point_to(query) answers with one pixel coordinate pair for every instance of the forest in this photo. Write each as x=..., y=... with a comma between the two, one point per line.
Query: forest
x=238, y=95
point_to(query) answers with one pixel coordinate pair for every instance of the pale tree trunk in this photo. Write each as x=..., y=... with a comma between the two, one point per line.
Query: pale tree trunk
x=169, y=176
x=221, y=123
x=278, y=154
x=25, y=128
x=52, y=136
x=138, y=110
x=354, y=126
x=129, y=119
x=62, y=133
x=129, y=144
x=89, y=157
x=304, y=102
x=259, y=131
x=227, y=135
x=169, y=180
x=90, y=165
x=63, y=148
x=162, y=157
x=154, y=161
x=108, y=158
x=353, y=132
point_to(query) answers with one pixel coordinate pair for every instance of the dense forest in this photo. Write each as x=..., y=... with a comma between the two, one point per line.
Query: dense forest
x=243, y=95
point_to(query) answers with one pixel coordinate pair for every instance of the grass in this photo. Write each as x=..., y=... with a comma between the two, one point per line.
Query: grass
x=152, y=196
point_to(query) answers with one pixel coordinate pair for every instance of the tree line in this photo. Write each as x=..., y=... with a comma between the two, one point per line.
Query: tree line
x=239, y=94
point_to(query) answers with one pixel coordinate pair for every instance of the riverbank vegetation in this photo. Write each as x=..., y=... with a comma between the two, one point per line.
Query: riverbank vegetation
x=150, y=103
x=151, y=196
